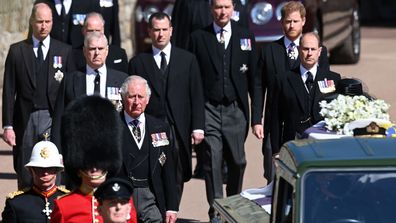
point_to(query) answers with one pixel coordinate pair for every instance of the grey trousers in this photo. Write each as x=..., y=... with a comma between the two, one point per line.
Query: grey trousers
x=225, y=129
x=146, y=208
x=38, y=124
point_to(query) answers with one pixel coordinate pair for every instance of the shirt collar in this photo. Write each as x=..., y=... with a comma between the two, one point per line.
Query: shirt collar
x=226, y=28
x=129, y=119
x=46, y=41
x=90, y=70
x=313, y=70
x=287, y=41
x=166, y=50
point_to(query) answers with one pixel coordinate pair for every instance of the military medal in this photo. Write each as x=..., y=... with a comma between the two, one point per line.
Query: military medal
x=78, y=19
x=244, y=68
x=246, y=44
x=159, y=139
x=58, y=76
x=47, y=211
x=235, y=16
x=113, y=94
x=57, y=62
x=326, y=86
x=162, y=158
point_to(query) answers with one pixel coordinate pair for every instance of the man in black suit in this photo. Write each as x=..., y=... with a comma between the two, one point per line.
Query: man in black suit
x=227, y=59
x=190, y=15
x=276, y=58
x=177, y=91
x=297, y=94
x=116, y=58
x=148, y=159
x=96, y=79
x=33, y=71
x=69, y=16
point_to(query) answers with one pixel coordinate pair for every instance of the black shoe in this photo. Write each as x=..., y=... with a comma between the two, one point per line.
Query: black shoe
x=215, y=219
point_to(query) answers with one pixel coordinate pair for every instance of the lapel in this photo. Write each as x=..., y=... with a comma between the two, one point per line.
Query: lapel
x=173, y=70
x=211, y=44
x=29, y=59
x=50, y=57
x=298, y=86
x=80, y=83
x=320, y=75
x=150, y=66
x=154, y=153
x=279, y=56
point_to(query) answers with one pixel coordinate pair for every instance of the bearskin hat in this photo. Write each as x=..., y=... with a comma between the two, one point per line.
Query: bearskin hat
x=91, y=137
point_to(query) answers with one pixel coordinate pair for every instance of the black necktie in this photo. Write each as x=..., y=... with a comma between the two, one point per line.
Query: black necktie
x=136, y=129
x=40, y=55
x=63, y=10
x=309, y=82
x=97, y=83
x=163, y=62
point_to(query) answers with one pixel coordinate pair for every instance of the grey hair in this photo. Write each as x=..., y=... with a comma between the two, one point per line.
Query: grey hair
x=93, y=14
x=314, y=34
x=36, y=6
x=134, y=79
x=94, y=35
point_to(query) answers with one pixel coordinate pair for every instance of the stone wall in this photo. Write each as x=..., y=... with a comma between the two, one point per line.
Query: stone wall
x=14, y=16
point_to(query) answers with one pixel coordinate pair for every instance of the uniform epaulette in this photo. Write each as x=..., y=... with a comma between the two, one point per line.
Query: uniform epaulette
x=64, y=195
x=17, y=193
x=63, y=189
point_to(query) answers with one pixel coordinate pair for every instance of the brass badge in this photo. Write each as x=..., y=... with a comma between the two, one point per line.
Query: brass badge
x=44, y=153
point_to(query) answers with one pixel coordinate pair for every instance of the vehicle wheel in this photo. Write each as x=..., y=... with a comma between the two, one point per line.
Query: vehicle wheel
x=349, y=51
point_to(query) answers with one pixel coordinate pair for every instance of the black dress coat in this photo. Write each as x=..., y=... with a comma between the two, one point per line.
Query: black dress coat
x=289, y=107
x=162, y=179
x=273, y=60
x=72, y=87
x=243, y=70
x=20, y=82
x=184, y=96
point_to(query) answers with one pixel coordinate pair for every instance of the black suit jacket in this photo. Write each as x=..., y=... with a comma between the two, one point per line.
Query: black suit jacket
x=116, y=59
x=289, y=106
x=273, y=61
x=72, y=87
x=162, y=178
x=20, y=81
x=204, y=44
x=184, y=95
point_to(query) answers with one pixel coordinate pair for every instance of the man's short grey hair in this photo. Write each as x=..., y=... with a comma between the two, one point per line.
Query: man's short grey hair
x=134, y=79
x=314, y=34
x=94, y=35
x=93, y=14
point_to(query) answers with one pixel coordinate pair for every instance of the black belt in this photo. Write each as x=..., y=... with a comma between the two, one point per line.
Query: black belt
x=139, y=183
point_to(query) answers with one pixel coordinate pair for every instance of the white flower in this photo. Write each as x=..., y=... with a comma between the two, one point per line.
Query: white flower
x=345, y=109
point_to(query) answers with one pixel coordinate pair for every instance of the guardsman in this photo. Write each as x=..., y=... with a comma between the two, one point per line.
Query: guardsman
x=92, y=153
x=35, y=204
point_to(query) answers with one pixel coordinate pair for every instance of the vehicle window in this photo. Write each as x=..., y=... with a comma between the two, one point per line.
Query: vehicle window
x=346, y=197
x=284, y=205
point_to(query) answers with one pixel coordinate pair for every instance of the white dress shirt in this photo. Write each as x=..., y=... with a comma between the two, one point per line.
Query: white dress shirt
x=142, y=125
x=90, y=79
x=227, y=33
x=304, y=75
x=157, y=54
x=296, y=42
x=44, y=48
x=66, y=4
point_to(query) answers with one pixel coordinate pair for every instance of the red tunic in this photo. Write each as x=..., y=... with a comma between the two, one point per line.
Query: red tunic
x=78, y=207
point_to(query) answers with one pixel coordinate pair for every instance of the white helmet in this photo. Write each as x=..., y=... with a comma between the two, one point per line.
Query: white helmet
x=45, y=154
